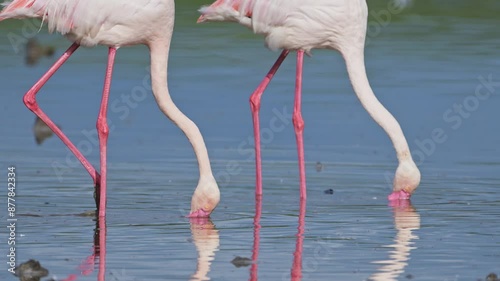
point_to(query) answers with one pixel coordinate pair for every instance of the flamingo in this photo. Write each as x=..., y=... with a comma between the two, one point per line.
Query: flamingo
x=303, y=25
x=118, y=23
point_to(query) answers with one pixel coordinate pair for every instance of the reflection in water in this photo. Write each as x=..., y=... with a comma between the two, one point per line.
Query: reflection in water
x=206, y=240
x=99, y=252
x=296, y=271
x=41, y=131
x=256, y=237
x=35, y=51
x=297, y=255
x=406, y=219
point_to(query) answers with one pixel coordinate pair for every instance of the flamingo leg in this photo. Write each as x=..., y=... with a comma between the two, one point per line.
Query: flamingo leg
x=255, y=107
x=31, y=103
x=298, y=123
x=103, y=130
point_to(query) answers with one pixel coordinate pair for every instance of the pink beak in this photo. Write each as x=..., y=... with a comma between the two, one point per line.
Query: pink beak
x=201, y=19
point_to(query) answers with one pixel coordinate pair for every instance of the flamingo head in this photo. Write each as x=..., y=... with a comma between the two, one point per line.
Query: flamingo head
x=406, y=180
x=205, y=199
x=221, y=10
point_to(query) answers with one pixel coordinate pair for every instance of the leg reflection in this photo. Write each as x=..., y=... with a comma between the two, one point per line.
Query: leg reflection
x=98, y=253
x=256, y=238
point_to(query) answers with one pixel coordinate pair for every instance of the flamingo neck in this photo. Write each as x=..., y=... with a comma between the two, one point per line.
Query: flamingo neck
x=357, y=74
x=159, y=65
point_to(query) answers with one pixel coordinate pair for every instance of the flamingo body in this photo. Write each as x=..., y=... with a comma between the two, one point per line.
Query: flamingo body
x=113, y=23
x=117, y=23
x=295, y=24
x=303, y=25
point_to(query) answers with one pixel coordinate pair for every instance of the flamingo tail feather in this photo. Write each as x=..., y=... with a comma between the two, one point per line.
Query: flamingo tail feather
x=17, y=9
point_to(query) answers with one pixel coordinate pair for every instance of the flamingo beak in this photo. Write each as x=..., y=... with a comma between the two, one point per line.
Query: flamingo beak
x=201, y=19
x=199, y=214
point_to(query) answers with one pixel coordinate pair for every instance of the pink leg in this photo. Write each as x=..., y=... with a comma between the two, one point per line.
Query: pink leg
x=103, y=130
x=298, y=123
x=31, y=103
x=255, y=107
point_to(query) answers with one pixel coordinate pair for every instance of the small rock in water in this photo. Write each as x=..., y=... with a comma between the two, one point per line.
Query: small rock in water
x=329, y=191
x=30, y=271
x=492, y=277
x=319, y=167
x=409, y=276
x=239, y=261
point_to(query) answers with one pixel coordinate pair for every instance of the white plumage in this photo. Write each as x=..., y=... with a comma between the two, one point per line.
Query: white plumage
x=303, y=25
x=117, y=23
x=297, y=24
x=92, y=22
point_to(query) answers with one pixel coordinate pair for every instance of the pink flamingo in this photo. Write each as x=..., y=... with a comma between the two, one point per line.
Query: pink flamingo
x=117, y=23
x=303, y=25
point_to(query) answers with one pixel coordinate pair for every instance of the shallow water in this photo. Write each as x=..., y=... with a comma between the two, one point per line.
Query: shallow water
x=420, y=64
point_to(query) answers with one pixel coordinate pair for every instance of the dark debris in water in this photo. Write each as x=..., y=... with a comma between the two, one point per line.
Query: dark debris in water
x=329, y=191
x=41, y=131
x=319, y=167
x=409, y=276
x=30, y=271
x=239, y=261
x=492, y=277
x=91, y=213
x=35, y=51
x=30, y=215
